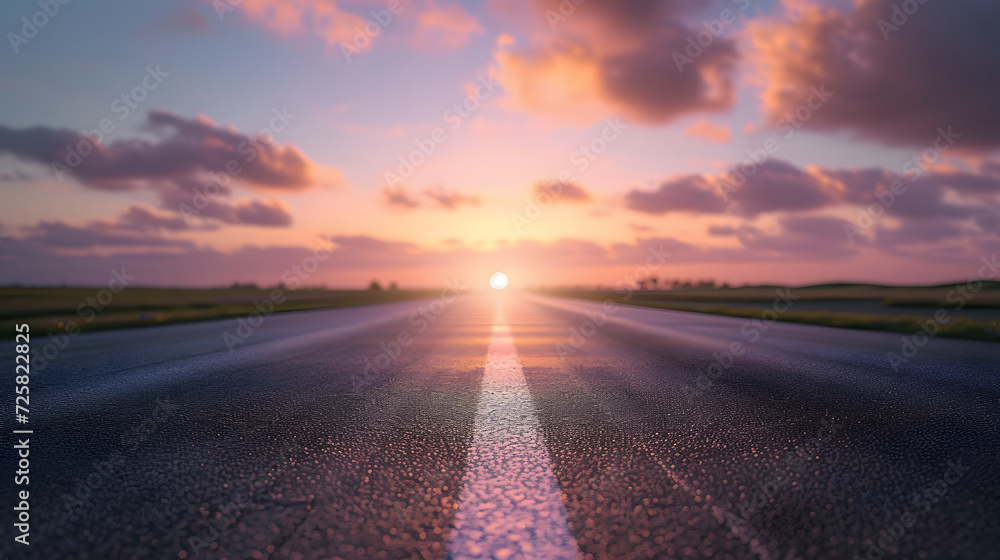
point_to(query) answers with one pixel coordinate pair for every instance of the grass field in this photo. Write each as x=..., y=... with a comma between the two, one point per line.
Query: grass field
x=53, y=309
x=961, y=312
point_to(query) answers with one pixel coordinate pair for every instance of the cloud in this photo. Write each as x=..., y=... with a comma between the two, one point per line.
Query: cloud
x=192, y=165
x=614, y=57
x=896, y=78
x=712, y=132
x=141, y=218
x=804, y=236
x=923, y=196
x=364, y=251
x=778, y=186
x=447, y=28
x=916, y=232
x=399, y=197
x=272, y=213
x=989, y=222
x=141, y=227
x=184, y=147
x=689, y=193
x=18, y=175
x=60, y=235
x=431, y=27
x=321, y=18
x=721, y=231
x=901, y=209
x=183, y=17
x=450, y=200
x=561, y=191
x=438, y=195
x=716, y=230
x=187, y=197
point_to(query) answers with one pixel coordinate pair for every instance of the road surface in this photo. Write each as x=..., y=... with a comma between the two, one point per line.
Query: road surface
x=510, y=426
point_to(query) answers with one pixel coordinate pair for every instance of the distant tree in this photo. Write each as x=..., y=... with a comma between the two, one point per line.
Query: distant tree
x=374, y=286
x=393, y=286
x=654, y=281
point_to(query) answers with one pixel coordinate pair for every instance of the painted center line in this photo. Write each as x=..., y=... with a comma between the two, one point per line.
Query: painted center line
x=510, y=505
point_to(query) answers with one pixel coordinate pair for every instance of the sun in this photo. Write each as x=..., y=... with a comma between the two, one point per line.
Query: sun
x=498, y=281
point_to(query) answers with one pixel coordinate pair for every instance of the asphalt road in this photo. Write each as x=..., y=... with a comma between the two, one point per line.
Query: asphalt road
x=509, y=426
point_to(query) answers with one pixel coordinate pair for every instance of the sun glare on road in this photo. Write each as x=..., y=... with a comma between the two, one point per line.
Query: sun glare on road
x=498, y=281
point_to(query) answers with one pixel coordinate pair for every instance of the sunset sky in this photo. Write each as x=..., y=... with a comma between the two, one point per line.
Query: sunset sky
x=755, y=141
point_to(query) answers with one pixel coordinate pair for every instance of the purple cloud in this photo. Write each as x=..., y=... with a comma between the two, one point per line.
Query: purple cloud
x=184, y=147
x=690, y=193
x=896, y=77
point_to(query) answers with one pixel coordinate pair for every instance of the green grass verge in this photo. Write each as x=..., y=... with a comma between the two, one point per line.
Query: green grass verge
x=50, y=310
x=956, y=327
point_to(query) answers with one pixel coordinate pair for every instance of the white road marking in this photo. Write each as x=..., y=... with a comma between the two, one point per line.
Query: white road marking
x=511, y=503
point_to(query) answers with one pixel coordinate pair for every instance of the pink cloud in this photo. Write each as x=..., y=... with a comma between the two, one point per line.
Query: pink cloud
x=439, y=196
x=397, y=196
x=446, y=28
x=561, y=192
x=321, y=18
x=615, y=57
x=431, y=27
x=449, y=199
